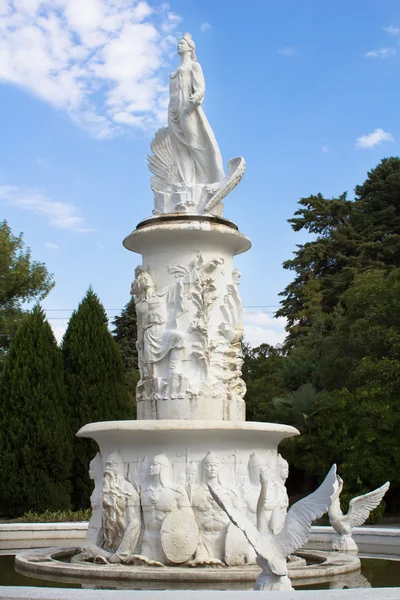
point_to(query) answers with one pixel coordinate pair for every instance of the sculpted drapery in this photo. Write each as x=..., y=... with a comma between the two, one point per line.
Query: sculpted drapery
x=194, y=147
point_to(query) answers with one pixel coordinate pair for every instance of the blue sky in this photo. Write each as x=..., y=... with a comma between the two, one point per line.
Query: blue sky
x=307, y=91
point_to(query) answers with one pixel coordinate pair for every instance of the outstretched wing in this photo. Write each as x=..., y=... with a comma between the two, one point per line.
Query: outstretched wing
x=302, y=514
x=236, y=169
x=161, y=162
x=361, y=506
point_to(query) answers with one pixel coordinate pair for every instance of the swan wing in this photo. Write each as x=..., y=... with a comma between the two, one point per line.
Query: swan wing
x=302, y=514
x=161, y=162
x=361, y=506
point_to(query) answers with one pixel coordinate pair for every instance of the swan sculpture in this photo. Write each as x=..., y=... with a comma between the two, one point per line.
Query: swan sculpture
x=272, y=550
x=359, y=509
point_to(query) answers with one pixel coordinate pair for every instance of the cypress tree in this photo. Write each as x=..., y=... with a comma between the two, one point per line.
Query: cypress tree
x=125, y=334
x=94, y=377
x=34, y=446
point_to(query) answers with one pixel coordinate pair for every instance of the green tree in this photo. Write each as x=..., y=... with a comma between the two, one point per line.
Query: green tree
x=94, y=376
x=21, y=280
x=125, y=334
x=362, y=367
x=350, y=237
x=344, y=331
x=34, y=446
x=262, y=375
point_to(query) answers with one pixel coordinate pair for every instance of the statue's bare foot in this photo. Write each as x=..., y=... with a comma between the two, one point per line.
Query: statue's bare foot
x=100, y=560
x=114, y=558
x=206, y=562
x=140, y=559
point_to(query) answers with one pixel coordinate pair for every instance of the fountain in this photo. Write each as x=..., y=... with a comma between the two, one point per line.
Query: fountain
x=162, y=482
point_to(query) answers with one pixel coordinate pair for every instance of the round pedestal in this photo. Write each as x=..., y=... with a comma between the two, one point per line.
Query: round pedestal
x=186, y=442
x=152, y=500
x=189, y=318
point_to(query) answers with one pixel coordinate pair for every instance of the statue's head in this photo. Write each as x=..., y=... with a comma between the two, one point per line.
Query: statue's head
x=143, y=282
x=187, y=45
x=115, y=464
x=161, y=467
x=211, y=464
x=191, y=473
x=256, y=463
x=282, y=468
x=96, y=467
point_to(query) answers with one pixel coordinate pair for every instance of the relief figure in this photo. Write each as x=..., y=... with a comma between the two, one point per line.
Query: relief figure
x=158, y=500
x=159, y=343
x=213, y=522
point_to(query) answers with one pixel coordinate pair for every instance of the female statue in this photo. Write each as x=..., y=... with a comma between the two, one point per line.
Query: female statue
x=159, y=343
x=186, y=163
x=194, y=147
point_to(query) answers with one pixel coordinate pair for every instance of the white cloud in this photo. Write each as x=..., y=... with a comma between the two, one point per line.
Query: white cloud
x=372, y=139
x=263, y=328
x=102, y=61
x=287, y=51
x=51, y=246
x=205, y=27
x=59, y=214
x=392, y=30
x=324, y=148
x=381, y=53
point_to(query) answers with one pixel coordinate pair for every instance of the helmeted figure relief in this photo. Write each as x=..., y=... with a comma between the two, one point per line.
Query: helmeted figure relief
x=277, y=495
x=121, y=523
x=188, y=174
x=252, y=493
x=211, y=519
x=159, y=343
x=158, y=500
x=192, y=478
x=276, y=498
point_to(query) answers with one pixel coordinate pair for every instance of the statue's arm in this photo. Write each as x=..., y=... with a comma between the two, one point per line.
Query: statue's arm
x=199, y=85
x=262, y=520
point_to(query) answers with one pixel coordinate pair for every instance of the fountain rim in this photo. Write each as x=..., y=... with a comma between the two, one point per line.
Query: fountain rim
x=185, y=426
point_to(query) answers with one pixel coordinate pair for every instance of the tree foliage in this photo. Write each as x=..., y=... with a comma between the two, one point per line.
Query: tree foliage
x=34, y=446
x=343, y=315
x=21, y=280
x=125, y=334
x=94, y=376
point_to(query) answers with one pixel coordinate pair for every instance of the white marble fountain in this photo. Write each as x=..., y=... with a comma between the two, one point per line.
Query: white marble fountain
x=167, y=485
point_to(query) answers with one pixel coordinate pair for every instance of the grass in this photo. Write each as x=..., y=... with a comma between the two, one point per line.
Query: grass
x=58, y=516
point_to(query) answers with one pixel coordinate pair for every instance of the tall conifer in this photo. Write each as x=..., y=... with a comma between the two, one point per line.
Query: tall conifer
x=94, y=376
x=125, y=334
x=34, y=447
